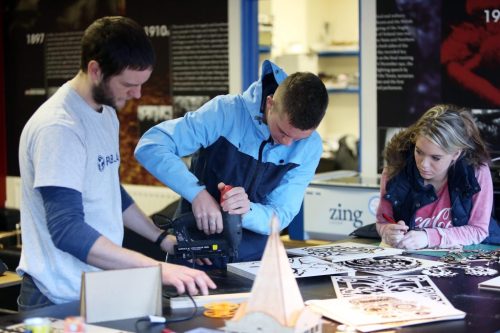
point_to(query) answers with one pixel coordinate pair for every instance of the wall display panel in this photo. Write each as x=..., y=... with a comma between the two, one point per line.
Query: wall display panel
x=3, y=145
x=435, y=51
x=43, y=38
x=408, y=79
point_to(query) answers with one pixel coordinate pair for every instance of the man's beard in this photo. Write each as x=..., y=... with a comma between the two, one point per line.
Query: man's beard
x=102, y=94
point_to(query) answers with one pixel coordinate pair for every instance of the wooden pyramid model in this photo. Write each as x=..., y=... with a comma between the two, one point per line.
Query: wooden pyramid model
x=275, y=303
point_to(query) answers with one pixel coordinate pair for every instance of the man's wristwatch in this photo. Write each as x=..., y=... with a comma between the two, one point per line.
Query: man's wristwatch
x=161, y=237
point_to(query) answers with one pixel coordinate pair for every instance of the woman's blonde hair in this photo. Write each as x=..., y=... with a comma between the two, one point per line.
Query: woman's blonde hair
x=450, y=127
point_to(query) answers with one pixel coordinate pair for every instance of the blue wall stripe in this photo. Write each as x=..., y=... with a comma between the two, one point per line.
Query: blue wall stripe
x=249, y=42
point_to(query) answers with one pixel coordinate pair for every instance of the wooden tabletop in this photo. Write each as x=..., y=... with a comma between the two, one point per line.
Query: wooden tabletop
x=292, y=243
x=9, y=279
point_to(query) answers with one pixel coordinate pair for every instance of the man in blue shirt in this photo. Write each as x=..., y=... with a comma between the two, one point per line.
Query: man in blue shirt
x=262, y=142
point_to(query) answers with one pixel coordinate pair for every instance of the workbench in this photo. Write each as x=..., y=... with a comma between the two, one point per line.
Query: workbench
x=482, y=306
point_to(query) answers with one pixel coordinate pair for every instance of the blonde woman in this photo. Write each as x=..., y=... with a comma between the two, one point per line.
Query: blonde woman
x=436, y=189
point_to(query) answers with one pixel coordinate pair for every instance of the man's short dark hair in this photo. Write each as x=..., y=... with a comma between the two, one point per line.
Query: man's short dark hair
x=116, y=43
x=304, y=100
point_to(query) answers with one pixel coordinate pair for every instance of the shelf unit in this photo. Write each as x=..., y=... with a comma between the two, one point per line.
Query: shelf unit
x=353, y=54
x=316, y=36
x=348, y=90
x=323, y=54
x=264, y=49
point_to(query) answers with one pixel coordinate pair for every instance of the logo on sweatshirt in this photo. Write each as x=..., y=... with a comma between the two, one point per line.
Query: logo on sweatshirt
x=103, y=161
